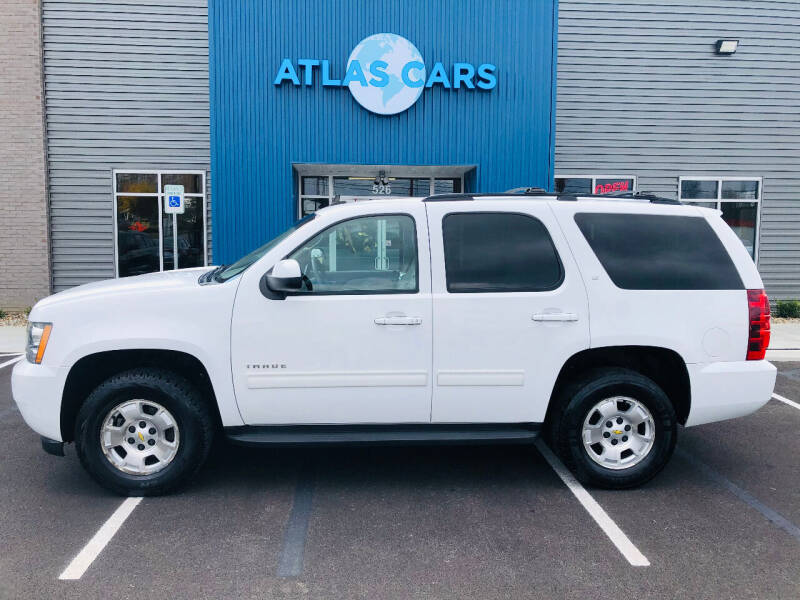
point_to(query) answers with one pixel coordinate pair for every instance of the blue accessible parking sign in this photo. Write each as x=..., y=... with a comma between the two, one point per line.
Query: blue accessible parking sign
x=174, y=204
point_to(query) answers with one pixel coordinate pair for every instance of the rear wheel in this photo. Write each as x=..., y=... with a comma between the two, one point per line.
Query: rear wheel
x=614, y=428
x=143, y=432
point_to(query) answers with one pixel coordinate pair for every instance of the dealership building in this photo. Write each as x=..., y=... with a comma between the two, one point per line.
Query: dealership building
x=263, y=111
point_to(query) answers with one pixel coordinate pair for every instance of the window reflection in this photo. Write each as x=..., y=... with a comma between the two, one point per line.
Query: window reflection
x=137, y=235
x=742, y=216
x=137, y=183
x=698, y=189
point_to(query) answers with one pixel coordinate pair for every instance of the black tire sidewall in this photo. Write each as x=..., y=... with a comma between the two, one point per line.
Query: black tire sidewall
x=634, y=386
x=172, y=393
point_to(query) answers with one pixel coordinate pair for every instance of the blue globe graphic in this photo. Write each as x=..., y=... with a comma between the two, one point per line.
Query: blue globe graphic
x=396, y=51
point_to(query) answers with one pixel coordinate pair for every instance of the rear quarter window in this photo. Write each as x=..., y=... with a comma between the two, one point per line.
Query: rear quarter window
x=659, y=252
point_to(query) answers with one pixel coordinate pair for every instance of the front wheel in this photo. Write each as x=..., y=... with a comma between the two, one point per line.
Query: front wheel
x=614, y=428
x=143, y=432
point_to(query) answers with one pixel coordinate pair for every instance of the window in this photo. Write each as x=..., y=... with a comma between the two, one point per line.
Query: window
x=319, y=191
x=587, y=185
x=375, y=254
x=499, y=252
x=148, y=240
x=659, y=252
x=737, y=198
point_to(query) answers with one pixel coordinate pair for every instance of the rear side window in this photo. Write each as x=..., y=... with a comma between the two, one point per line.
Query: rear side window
x=499, y=252
x=659, y=252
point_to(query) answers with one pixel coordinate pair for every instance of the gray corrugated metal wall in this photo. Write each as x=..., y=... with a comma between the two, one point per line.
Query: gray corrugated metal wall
x=641, y=92
x=126, y=87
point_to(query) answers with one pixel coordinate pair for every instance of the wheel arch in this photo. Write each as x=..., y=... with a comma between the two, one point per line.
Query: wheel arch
x=664, y=366
x=91, y=370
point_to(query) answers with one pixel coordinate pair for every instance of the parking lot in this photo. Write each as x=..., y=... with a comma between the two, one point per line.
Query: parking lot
x=421, y=522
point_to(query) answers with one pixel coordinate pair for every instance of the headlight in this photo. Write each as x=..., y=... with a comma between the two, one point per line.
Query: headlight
x=38, y=335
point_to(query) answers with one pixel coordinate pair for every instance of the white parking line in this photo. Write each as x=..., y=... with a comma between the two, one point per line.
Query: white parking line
x=10, y=362
x=609, y=527
x=92, y=550
x=786, y=400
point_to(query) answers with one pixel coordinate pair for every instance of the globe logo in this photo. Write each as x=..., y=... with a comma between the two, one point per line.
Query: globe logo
x=396, y=73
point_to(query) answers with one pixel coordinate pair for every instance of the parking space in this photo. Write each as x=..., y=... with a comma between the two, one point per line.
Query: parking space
x=415, y=522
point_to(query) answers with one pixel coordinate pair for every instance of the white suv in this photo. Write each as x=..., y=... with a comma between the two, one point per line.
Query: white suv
x=601, y=322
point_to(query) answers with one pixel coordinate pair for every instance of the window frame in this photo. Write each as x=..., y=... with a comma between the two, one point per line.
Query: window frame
x=415, y=290
x=562, y=272
x=159, y=195
x=594, y=179
x=719, y=199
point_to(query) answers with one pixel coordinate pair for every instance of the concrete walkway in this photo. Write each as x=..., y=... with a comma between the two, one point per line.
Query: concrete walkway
x=12, y=339
x=784, y=343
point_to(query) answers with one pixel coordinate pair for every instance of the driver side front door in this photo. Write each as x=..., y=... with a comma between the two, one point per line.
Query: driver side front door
x=355, y=345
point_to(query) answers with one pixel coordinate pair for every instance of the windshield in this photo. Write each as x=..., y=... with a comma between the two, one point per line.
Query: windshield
x=243, y=263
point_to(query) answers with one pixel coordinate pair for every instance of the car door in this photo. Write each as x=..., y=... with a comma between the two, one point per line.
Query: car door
x=355, y=345
x=509, y=308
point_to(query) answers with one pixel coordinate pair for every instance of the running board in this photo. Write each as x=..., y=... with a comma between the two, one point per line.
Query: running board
x=262, y=435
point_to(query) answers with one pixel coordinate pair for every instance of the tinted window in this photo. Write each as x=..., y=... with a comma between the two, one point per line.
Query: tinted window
x=659, y=252
x=499, y=252
x=364, y=255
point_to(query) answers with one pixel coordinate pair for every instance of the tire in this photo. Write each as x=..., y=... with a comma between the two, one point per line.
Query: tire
x=167, y=399
x=633, y=396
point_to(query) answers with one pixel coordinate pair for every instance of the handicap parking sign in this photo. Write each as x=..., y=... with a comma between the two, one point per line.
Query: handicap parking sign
x=174, y=204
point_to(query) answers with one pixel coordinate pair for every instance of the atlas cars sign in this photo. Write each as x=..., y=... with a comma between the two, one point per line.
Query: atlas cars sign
x=386, y=74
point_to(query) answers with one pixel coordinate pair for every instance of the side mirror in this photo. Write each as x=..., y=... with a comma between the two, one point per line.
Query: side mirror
x=285, y=277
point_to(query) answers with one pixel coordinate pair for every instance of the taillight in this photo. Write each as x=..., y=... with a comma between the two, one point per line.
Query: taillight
x=758, y=338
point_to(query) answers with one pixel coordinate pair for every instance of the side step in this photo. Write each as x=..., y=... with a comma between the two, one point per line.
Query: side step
x=383, y=434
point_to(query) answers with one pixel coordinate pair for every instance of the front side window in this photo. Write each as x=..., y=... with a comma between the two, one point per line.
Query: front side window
x=737, y=199
x=659, y=252
x=376, y=254
x=499, y=252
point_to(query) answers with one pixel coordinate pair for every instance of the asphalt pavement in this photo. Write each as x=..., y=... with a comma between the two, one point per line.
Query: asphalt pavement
x=415, y=522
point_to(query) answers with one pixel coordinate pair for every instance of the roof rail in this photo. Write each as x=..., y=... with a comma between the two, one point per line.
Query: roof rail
x=654, y=199
x=645, y=196
x=516, y=192
x=528, y=191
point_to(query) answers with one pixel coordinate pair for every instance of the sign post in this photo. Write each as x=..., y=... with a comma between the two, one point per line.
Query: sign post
x=174, y=205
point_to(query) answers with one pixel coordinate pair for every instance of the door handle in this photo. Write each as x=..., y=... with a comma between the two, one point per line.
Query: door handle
x=398, y=321
x=559, y=316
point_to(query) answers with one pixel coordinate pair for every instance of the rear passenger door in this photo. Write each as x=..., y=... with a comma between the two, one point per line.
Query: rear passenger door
x=509, y=308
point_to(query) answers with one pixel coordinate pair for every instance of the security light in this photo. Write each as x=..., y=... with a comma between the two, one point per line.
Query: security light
x=727, y=47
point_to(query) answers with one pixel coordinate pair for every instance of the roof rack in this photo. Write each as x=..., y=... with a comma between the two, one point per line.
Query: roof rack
x=644, y=196
x=640, y=196
x=464, y=196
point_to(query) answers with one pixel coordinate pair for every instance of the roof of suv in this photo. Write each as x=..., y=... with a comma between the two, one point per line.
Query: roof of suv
x=537, y=193
x=529, y=194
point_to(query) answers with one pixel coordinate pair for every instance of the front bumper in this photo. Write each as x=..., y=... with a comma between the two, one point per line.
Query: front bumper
x=726, y=390
x=37, y=390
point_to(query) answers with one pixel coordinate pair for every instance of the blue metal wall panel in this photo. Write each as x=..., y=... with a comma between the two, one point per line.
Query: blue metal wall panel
x=259, y=130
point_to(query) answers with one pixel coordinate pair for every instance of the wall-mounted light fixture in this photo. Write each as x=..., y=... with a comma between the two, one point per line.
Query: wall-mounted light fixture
x=727, y=47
